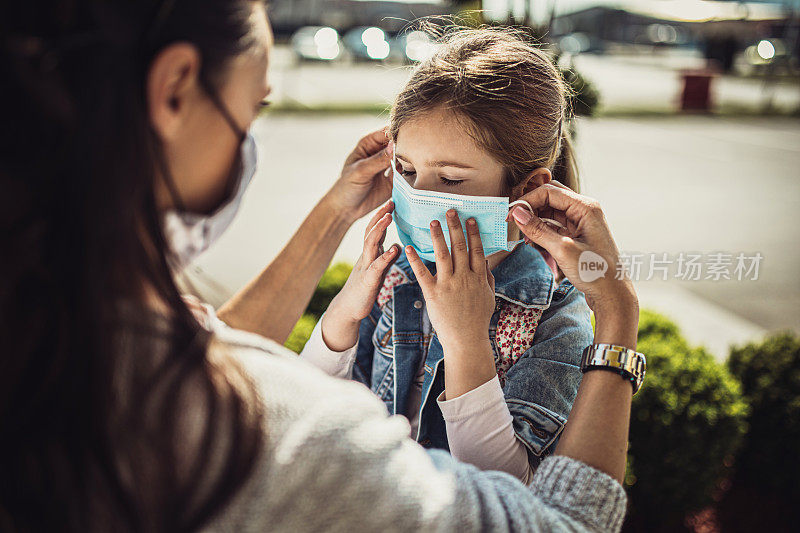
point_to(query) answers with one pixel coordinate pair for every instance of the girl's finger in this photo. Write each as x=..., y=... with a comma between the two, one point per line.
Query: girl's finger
x=477, y=261
x=388, y=207
x=489, y=275
x=444, y=266
x=375, y=238
x=458, y=243
x=423, y=275
x=377, y=270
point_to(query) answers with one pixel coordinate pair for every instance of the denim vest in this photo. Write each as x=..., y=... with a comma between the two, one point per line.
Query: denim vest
x=540, y=371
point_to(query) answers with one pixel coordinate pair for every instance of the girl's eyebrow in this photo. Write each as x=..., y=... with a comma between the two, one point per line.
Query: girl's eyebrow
x=439, y=164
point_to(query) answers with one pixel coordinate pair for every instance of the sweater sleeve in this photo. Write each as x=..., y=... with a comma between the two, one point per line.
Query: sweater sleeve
x=480, y=431
x=336, y=364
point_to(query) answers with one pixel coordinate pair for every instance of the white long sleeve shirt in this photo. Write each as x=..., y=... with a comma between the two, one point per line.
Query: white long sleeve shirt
x=478, y=423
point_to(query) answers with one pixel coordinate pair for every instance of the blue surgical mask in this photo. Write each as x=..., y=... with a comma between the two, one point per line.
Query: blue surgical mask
x=414, y=210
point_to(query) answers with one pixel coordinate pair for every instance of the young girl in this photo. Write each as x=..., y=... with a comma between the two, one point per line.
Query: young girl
x=494, y=378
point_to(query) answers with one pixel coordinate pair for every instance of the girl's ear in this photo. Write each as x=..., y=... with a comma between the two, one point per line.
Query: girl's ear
x=535, y=179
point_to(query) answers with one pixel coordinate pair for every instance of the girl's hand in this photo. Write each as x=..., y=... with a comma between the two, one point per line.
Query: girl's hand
x=585, y=238
x=355, y=300
x=460, y=298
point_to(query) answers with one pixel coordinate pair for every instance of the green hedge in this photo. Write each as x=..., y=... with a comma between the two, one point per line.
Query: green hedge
x=687, y=422
x=329, y=286
x=301, y=332
x=767, y=469
x=770, y=375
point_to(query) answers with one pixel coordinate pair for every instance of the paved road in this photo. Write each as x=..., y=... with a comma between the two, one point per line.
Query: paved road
x=687, y=184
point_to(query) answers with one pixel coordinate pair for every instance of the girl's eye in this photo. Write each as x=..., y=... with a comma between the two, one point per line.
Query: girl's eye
x=450, y=183
x=262, y=105
x=407, y=173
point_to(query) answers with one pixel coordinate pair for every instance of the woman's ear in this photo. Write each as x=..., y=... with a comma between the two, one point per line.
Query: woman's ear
x=535, y=179
x=172, y=82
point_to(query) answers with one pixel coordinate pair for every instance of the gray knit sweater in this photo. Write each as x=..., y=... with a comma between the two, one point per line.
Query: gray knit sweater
x=335, y=461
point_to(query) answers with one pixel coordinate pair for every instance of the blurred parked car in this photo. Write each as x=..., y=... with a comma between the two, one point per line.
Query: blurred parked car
x=413, y=47
x=367, y=43
x=318, y=43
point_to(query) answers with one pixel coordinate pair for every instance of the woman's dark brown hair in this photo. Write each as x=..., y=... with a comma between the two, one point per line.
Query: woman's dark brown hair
x=509, y=94
x=111, y=418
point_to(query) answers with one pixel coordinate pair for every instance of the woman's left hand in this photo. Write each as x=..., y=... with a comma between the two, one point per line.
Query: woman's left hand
x=364, y=183
x=460, y=298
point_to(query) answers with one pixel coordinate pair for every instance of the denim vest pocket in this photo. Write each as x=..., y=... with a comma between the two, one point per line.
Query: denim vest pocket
x=383, y=359
x=536, y=426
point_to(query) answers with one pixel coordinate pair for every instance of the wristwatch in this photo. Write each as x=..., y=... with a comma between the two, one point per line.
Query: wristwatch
x=628, y=363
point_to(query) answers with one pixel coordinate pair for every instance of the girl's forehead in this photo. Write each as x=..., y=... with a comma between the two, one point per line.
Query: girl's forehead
x=440, y=136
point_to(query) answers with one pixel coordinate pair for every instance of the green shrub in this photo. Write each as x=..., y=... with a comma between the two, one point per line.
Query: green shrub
x=653, y=326
x=301, y=332
x=686, y=422
x=770, y=376
x=329, y=286
x=767, y=469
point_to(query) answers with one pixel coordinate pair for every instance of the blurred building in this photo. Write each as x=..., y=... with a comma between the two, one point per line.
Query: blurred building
x=721, y=29
x=289, y=15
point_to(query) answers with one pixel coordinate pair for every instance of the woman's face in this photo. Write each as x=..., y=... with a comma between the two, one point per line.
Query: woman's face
x=435, y=152
x=200, y=146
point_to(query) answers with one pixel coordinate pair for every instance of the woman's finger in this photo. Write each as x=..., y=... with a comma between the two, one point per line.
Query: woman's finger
x=570, y=203
x=537, y=230
x=547, y=213
x=388, y=207
x=559, y=184
x=373, y=165
x=458, y=243
x=371, y=144
x=477, y=262
x=444, y=264
x=489, y=275
x=424, y=277
x=553, y=214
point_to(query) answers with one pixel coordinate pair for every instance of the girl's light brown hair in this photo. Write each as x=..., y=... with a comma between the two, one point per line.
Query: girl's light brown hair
x=513, y=100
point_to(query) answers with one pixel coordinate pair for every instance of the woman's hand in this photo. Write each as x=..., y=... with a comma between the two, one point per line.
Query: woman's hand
x=584, y=234
x=460, y=301
x=364, y=183
x=355, y=300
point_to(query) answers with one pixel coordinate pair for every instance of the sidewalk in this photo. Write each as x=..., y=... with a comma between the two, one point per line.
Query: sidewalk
x=701, y=322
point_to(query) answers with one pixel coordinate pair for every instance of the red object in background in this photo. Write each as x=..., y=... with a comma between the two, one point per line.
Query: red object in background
x=696, y=95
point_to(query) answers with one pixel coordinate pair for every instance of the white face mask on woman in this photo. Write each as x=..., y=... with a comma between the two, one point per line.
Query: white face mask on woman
x=190, y=234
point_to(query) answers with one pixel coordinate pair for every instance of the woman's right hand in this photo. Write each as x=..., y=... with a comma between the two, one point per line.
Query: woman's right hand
x=585, y=233
x=354, y=302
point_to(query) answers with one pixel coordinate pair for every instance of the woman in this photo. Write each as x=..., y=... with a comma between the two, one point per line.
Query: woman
x=124, y=152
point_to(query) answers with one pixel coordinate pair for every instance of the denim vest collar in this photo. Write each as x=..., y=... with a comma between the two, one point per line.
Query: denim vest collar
x=523, y=278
